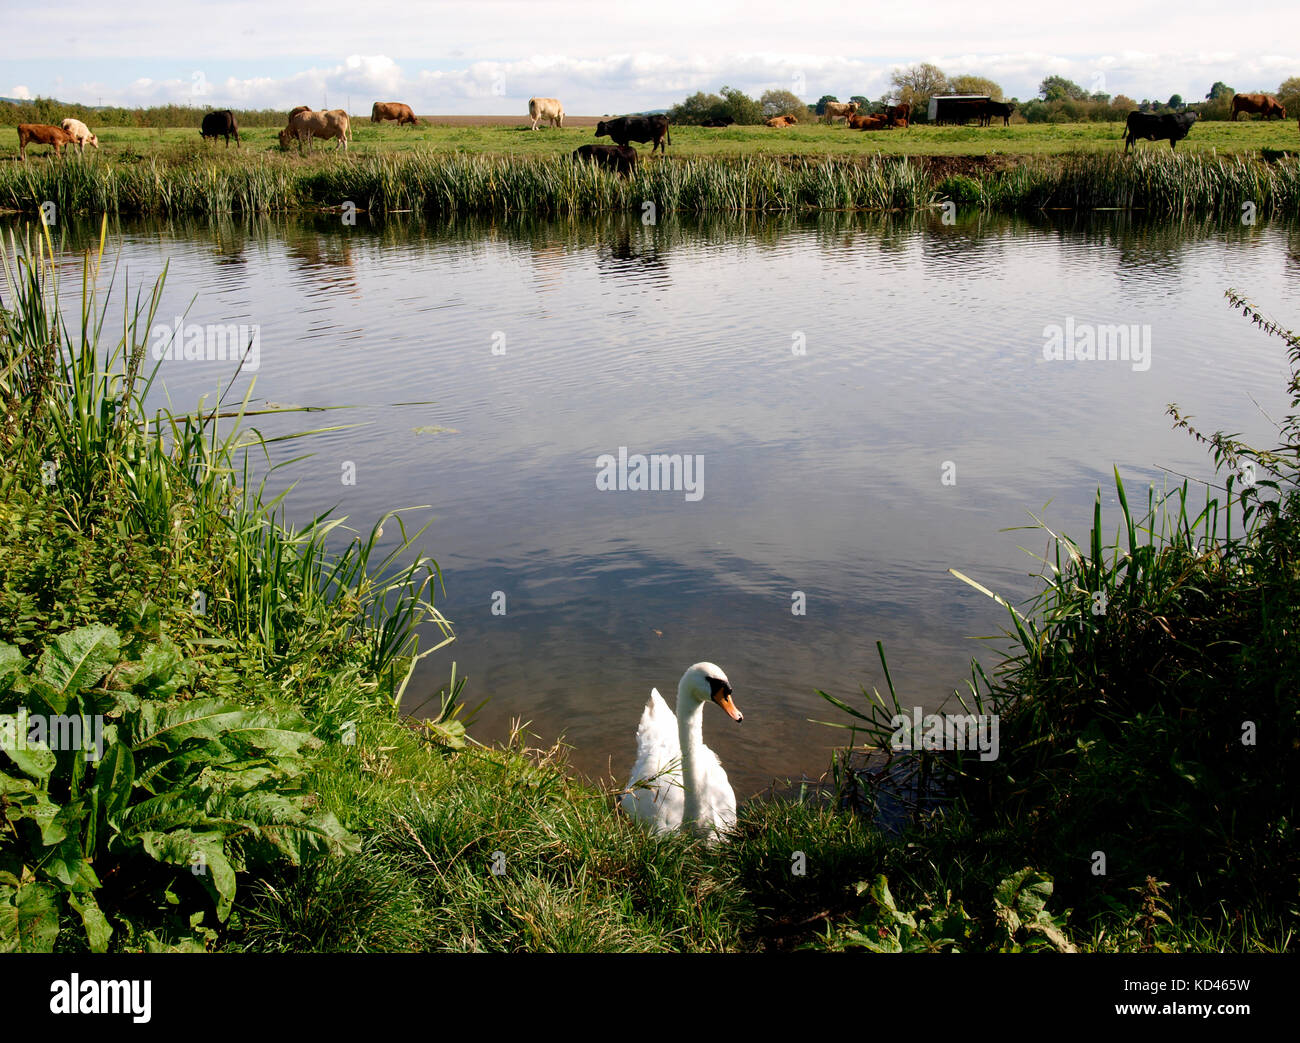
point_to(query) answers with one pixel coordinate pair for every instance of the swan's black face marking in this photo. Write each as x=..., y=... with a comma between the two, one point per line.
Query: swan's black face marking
x=721, y=694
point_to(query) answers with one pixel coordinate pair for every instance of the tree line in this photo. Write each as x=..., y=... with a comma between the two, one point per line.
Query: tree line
x=1059, y=100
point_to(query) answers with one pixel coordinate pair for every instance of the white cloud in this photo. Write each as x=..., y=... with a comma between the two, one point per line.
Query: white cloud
x=19, y=92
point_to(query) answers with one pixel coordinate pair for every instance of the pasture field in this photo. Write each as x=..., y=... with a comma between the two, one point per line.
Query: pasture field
x=515, y=139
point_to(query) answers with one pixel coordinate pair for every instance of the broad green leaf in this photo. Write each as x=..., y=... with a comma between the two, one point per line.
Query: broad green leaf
x=29, y=918
x=203, y=854
x=12, y=664
x=33, y=758
x=79, y=658
x=98, y=930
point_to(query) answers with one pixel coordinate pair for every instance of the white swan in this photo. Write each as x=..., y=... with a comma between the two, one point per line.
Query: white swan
x=677, y=781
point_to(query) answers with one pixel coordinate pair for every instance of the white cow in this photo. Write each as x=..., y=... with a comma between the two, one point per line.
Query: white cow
x=546, y=109
x=80, y=134
x=840, y=110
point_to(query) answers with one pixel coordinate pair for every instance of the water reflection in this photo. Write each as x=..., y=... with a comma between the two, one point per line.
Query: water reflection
x=922, y=345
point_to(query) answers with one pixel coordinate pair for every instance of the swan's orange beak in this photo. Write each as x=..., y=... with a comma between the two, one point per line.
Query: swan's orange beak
x=723, y=698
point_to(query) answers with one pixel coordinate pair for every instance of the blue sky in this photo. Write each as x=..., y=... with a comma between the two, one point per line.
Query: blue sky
x=490, y=56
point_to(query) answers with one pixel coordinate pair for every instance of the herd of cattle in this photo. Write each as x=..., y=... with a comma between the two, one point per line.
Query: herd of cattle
x=306, y=124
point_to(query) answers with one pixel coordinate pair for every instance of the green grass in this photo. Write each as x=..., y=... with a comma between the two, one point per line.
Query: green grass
x=809, y=139
x=193, y=179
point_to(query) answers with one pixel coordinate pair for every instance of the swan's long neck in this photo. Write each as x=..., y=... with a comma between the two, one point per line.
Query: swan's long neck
x=690, y=733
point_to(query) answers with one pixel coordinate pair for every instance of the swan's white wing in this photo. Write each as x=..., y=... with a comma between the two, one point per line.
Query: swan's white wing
x=718, y=801
x=655, y=796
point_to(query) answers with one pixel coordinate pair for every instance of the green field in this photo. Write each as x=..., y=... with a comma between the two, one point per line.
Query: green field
x=804, y=140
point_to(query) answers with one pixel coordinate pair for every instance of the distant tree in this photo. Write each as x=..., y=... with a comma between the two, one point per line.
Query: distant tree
x=974, y=85
x=741, y=107
x=1289, y=95
x=1058, y=88
x=1123, y=102
x=916, y=84
x=1101, y=97
x=782, y=103
x=864, y=103
x=820, y=107
x=1219, y=90
x=1175, y=101
x=698, y=108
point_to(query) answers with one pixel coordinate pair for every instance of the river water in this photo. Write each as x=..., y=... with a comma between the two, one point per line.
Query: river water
x=864, y=402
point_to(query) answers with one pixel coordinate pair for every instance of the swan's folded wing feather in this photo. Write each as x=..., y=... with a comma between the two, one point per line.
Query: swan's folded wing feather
x=655, y=786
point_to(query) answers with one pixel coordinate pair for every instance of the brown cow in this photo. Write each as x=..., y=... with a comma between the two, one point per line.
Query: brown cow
x=42, y=134
x=1265, y=104
x=305, y=126
x=895, y=113
x=781, y=121
x=392, y=110
x=301, y=108
x=869, y=123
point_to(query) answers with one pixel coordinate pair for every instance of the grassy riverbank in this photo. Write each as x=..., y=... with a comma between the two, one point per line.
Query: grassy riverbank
x=257, y=790
x=188, y=180
x=813, y=140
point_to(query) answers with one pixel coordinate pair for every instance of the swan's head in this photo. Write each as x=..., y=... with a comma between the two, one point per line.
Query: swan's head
x=706, y=681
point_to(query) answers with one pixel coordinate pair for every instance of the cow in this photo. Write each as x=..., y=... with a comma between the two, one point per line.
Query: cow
x=1265, y=104
x=637, y=128
x=300, y=108
x=993, y=109
x=80, y=134
x=899, y=114
x=1167, y=126
x=621, y=159
x=840, y=110
x=869, y=123
x=220, y=124
x=959, y=110
x=718, y=121
x=392, y=110
x=42, y=134
x=305, y=126
x=548, y=109
x=782, y=121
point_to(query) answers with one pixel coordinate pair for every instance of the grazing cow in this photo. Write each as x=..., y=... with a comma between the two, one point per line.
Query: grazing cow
x=621, y=159
x=1167, y=126
x=305, y=126
x=42, y=134
x=548, y=109
x=80, y=134
x=1265, y=104
x=220, y=125
x=392, y=110
x=637, y=128
x=782, y=121
x=899, y=114
x=994, y=109
x=718, y=121
x=840, y=110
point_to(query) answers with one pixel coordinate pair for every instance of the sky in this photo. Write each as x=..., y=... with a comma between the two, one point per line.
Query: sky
x=489, y=56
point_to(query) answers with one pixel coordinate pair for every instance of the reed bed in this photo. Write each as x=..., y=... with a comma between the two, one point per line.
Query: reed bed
x=1165, y=183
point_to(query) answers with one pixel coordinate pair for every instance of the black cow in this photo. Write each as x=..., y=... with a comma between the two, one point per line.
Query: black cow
x=718, y=121
x=220, y=124
x=994, y=109
x=621, y=159
x=1167, y=126
x=637, y=128
x=959, y=110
